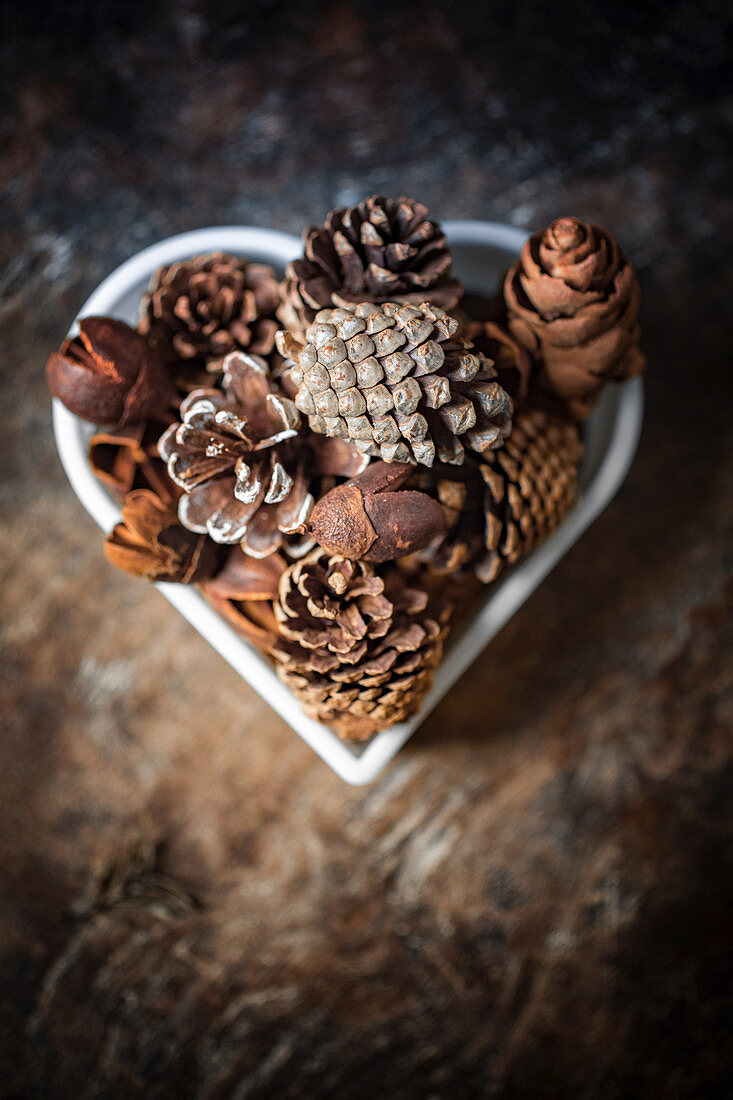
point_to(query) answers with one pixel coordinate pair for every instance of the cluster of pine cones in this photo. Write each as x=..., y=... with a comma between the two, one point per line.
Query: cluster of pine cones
x=339, y=459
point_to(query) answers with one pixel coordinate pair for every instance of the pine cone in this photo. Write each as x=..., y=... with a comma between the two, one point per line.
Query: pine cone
x=211, y=305
x=379, y=251
x=359, y=655
x=399, y=382
x=150, y=543
x=573, y=301
x=234, y=458
x=243, y=591
x=109, y=374
x=500, y=508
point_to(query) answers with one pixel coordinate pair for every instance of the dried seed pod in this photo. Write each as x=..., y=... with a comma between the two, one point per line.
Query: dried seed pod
x=573, y=302
x=383, y=250
x=369, y=518
x=358, y=652
x=399, y=382
x=150, y=543
x=109, y=374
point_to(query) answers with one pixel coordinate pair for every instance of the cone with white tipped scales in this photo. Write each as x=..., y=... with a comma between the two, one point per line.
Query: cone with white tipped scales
x=235, y=458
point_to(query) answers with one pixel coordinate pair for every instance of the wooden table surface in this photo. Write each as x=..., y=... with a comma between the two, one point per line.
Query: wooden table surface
x=534, y=900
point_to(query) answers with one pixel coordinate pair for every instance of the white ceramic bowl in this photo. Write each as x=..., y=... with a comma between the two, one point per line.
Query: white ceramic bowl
x=482, y=251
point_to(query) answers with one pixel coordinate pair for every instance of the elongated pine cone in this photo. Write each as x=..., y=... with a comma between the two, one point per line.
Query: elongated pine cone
x=573, y=302
x=399, y=382
x=150, y=543
x=358, y=654
x=383, y=250
x=234, y=457
x=500, y=508
x=211, y=305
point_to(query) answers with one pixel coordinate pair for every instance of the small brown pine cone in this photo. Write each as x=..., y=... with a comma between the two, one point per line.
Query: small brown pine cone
x=358, y=653
x=150, y=543
x=383, y=250
x=573, y=302
x=500, y=508
x=398, y=381
x=211, y=305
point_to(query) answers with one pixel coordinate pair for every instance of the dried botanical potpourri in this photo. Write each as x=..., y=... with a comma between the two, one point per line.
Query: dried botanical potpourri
x=340, y=459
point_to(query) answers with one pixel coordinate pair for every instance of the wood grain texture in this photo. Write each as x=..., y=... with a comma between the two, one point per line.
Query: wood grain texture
x=534, y=900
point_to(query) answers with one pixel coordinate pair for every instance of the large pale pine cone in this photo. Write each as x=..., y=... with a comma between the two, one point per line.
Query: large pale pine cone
x=573, y=302
x=399, y=382
x=500, y=508
x=211, y=305
x=357, y=653
x=383, y=250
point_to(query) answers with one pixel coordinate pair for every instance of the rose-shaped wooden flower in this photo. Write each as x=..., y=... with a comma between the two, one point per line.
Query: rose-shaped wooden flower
x=211, y=305
x=573, y=302
x=109, y=374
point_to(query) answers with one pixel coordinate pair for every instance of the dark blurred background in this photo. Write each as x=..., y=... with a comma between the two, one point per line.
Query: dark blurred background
x=534, y=901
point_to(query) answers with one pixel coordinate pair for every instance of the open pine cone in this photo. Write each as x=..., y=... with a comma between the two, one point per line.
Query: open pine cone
x=573, y=302
x=358, y=655
x=383, y=250
x=209, y=306
x=500, y=508
x=233, y=456
x=399, y=382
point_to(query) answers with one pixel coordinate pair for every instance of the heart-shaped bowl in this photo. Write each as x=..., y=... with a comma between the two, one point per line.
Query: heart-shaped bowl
x=482, y=251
